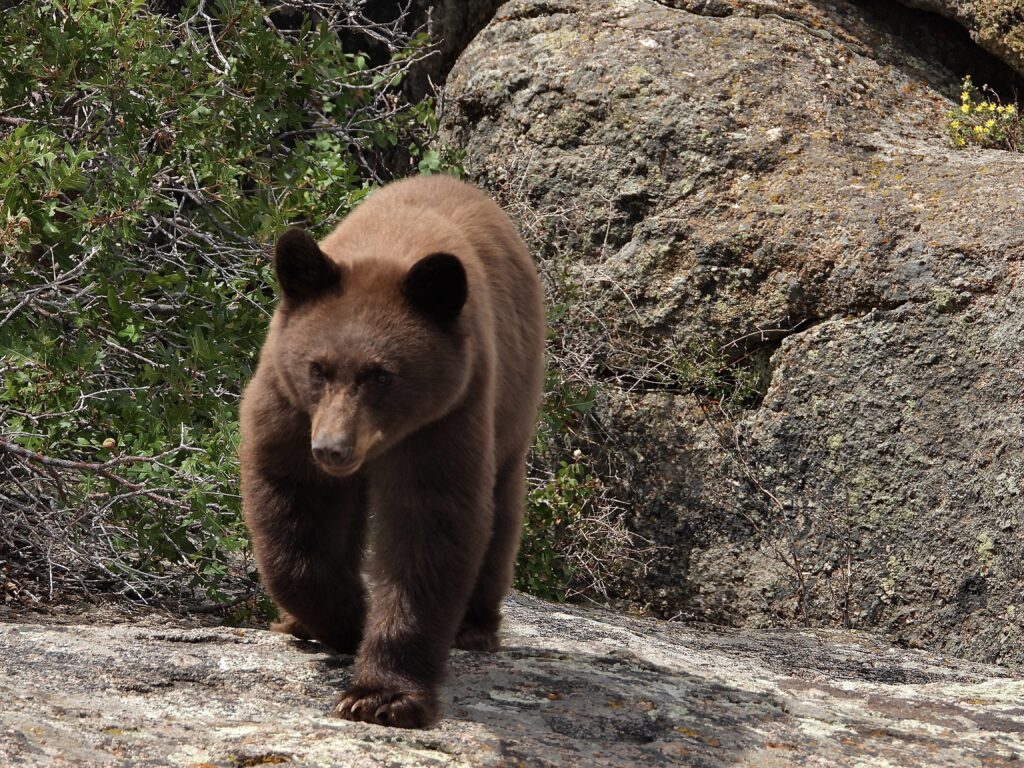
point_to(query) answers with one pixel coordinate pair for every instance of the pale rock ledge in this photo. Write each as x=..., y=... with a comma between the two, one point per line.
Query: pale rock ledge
x=571, y=687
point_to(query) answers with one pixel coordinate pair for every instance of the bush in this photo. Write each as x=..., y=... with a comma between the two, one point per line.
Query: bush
x=145, y=164
x=561, y=494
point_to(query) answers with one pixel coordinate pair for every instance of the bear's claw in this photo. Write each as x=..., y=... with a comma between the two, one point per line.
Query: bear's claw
x=387, y=706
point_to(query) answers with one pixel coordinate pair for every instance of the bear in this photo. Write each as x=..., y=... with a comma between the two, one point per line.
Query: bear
x=385, y=434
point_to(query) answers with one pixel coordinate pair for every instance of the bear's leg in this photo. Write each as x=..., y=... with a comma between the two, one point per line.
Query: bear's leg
x=479, y=631
x=432, y=517
x=308, y=539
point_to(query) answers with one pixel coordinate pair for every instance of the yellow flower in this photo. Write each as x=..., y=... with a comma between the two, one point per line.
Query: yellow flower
x=954, y=124
x=978, y=129
x=990, y=123
x=1010, y=109
x=965, y=96
x=1000, y=109
x=965, y=108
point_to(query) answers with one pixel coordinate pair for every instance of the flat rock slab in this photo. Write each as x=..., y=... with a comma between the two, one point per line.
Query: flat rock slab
x=571, y=687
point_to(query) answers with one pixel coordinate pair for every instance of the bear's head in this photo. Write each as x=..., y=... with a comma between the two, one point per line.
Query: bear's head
x=371, y=351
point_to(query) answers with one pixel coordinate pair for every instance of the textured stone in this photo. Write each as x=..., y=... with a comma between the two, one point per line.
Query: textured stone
x=774, y=178
x=572, y=687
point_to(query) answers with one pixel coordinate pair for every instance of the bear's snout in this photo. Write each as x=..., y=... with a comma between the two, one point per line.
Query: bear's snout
x=333, y=451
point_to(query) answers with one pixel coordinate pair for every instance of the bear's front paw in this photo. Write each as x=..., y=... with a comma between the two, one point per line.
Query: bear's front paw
x=289, y=625
x=401, y=708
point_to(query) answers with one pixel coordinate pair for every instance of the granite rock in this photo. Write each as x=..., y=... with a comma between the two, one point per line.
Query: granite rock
x=571, y=687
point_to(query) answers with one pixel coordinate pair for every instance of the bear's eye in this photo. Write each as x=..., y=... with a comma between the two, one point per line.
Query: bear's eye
x=378, y=376
x=317, y=372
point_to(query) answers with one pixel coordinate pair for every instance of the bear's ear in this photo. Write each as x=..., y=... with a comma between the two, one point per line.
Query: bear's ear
x=436, y=286
x=303, y=270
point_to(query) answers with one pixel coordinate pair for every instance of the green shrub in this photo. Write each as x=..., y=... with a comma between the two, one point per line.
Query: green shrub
x=561, y=493
x=555, y=511
x=145, y=164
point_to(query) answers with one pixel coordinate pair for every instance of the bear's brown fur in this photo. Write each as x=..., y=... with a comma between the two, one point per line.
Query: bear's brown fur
x=390, y=415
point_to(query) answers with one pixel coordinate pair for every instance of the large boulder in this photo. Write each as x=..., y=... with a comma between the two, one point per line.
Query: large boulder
x=768, y=186
x=572, y=688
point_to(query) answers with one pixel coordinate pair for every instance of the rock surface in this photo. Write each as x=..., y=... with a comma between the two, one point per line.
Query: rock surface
x=571, y=687
x=773, y=180
x=996, y=25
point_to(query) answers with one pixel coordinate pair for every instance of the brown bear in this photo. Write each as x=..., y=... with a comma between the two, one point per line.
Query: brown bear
x=385, y=433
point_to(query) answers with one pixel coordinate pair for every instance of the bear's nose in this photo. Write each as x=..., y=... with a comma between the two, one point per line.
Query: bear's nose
x=332, y=450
